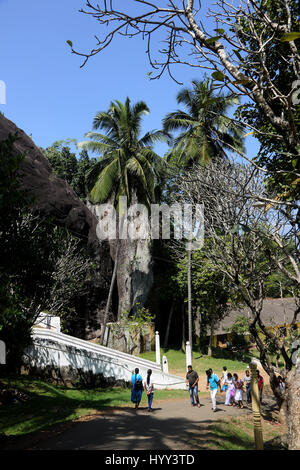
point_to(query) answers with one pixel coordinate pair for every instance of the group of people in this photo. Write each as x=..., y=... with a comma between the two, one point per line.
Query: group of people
x=138, y=387
x=229, y=383
x=233, y=387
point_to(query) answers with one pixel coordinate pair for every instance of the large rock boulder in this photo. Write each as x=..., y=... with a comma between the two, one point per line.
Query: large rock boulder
x=52, y=196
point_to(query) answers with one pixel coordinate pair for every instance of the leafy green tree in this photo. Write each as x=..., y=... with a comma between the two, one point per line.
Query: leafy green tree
x=251, y=47
x=14, y=201
x=278, y=285
x=206, y=132
x=41, y=266
x=238, y=332
x=279, y=152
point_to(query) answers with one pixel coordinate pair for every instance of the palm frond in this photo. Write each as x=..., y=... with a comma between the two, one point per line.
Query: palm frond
x=95, y=147
x=105, y=183
x=177, y=120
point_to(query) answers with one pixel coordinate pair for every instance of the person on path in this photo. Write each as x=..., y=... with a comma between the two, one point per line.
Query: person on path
x=192, y=380
x=238, y=397
x=230, y=390
x=260, y=382
x=210, y=370
x=247, y=382
x=223, y=379
x=213, y=384
x=137, y=388
x=149, y=388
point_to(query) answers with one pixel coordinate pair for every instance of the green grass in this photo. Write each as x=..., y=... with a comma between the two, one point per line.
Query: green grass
x=238, y=434
x=177, y=362
x=229, y=436
x=50, y=405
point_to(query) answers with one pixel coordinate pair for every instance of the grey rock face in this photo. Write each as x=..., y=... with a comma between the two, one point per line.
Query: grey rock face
x=134, y=270
x=53, y=196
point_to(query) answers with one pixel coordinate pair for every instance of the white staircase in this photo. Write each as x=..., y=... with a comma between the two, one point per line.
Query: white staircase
x=51, y=348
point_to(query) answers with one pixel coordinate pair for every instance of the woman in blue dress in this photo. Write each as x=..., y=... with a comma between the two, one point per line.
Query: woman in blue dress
x=137, y=388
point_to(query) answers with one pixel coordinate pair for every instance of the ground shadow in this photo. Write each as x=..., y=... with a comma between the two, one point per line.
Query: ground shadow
x=131, y=430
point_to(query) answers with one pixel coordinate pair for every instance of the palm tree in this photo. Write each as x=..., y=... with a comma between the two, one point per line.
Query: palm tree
x=205, y=130
x=128, y=163
x=127, y=166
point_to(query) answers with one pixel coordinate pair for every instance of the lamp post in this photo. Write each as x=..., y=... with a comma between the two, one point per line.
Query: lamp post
x=189, y=252
x=188, y=354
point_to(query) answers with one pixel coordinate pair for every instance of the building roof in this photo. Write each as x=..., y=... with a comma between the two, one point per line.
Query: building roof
x=275, y=312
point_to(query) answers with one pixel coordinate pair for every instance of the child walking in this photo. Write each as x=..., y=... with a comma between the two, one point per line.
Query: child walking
x=238, y=383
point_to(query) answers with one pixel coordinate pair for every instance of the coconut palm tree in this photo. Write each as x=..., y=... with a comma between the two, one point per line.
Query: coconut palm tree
x=128, y=166
x=205, y=131
x=128, y=163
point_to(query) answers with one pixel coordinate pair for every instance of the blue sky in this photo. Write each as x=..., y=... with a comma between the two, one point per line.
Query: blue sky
x=49, y=96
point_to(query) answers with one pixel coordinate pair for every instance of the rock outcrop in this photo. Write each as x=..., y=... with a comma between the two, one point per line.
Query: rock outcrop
x=52, y=196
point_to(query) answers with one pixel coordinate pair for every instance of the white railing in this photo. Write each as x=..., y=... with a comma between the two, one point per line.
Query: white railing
x=50, y=348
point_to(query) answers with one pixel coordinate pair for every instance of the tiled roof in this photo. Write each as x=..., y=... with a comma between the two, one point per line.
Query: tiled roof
x=275, y=312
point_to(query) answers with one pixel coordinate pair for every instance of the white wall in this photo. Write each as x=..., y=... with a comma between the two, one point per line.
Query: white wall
x=50, y=348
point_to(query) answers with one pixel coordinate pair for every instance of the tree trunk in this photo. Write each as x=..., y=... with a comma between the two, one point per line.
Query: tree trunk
x=212, y=329
x=209, y=352
x=293, y=407
x=274, y=384
x=110, y=293
x=198, y=325
x=267, y=365
x=169, y=324
x=134, y=274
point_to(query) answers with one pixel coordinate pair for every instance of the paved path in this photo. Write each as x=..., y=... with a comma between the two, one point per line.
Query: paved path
x=173, y=424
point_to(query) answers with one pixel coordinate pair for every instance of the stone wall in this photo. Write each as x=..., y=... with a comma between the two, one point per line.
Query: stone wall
x=130, y=341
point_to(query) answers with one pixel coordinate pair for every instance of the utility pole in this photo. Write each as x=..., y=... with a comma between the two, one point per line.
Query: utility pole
x=190, y=323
